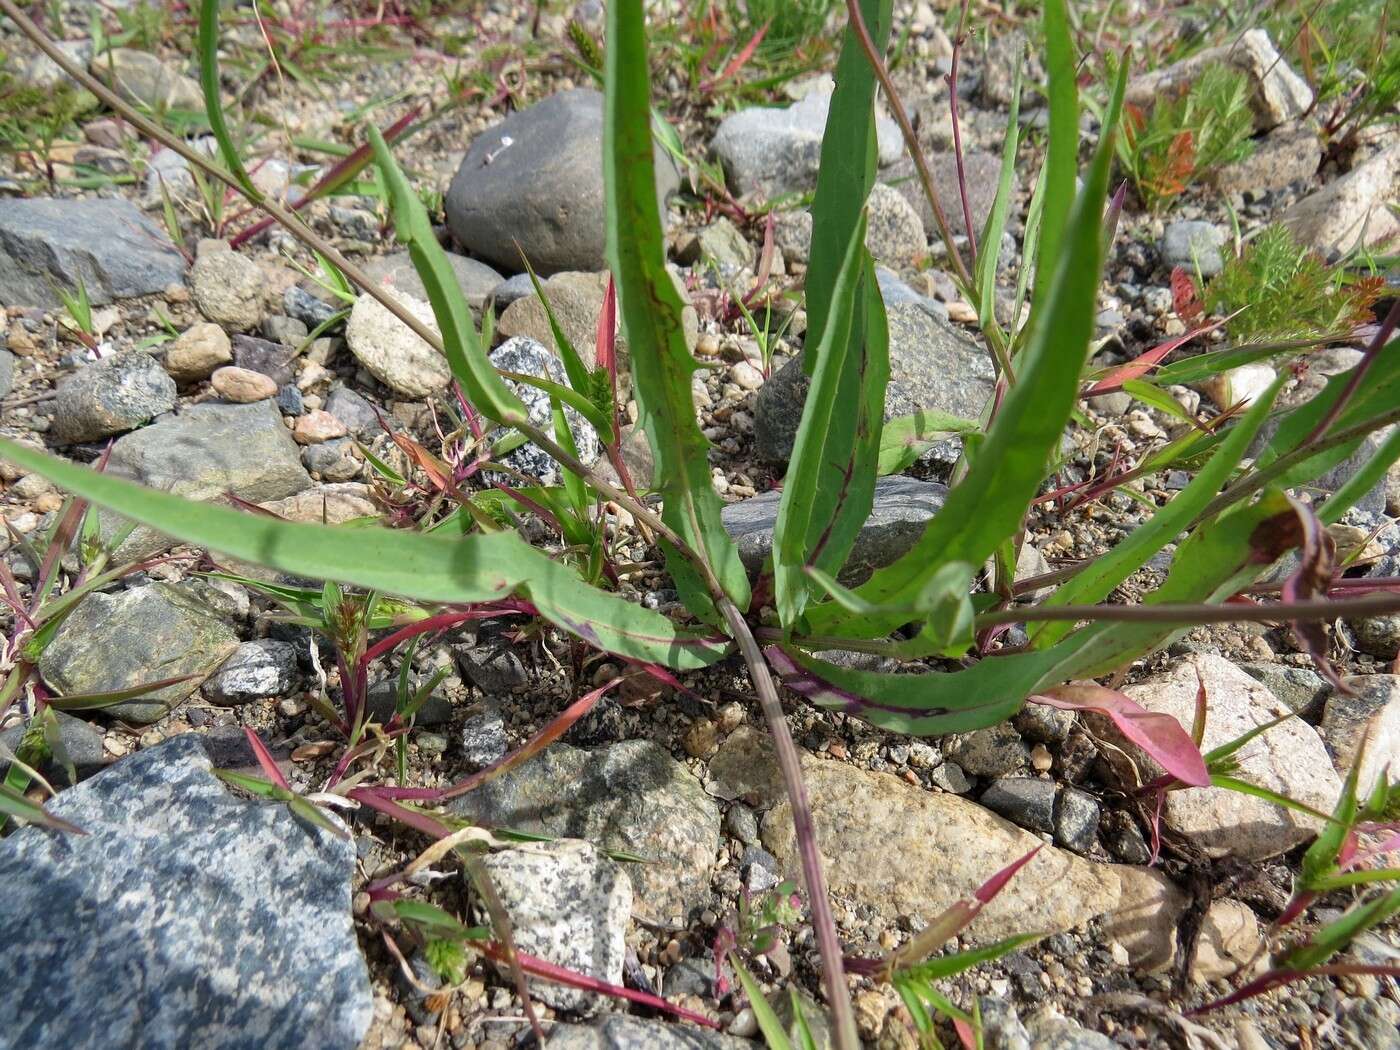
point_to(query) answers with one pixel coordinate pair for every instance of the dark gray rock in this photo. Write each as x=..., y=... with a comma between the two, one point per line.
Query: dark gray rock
x=1024, y=801
x=1043, y=724
x=741, y=822
x=690, y=977
x=983, y=173
x=569, y=905
x=7, y=372
x=208, y=450
x=352, y=409
x=630, y=796
x=188, y=918
x=475, y=279
x=80, y=741
x=290, y=401
x=1191, y=244
x=621, y=1032
x=289, y=331
x=511, y=289
x=307, y=308
x=492, y=665
x=771, y=151
x=1377, y=636
x=383, y=699
x=992, y=752
x=133, y=637
x=903, y=506
x=256, y=670
x=1301, y=688
x=1076, y=820
x=110, y=396
x=273, y=360
x=933, y=366
x=106, y=243
x=760, y=869
x=333, y=460
x=536, y=180
x=527, y=357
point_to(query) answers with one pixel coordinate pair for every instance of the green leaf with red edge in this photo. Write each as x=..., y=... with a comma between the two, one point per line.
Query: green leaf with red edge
x=473, y=568
x=1160, y=735
x=1336, y=935
x=662, y=366
x=830, y=486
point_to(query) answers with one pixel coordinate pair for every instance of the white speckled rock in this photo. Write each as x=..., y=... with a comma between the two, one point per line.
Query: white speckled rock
x=391, y=351
x=1290, y=759
x=569, y=905
x=187, y=917
x=620, y=1032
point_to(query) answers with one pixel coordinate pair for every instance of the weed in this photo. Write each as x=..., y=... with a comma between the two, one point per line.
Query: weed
x=1277, y=289
x=79, y=310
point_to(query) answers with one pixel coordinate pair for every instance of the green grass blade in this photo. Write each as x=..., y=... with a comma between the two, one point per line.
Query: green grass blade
x=15, y=804
x=479, y=381
x=905, y=438
x=1360, y=483
x=662, y=366
x=768, y=1023
x=831, y=479
x=986, y=276
x=208, y=44
x=1102, y=575
x=1063, y=152
x=989, y=504
x=574, y=367
x=848, y=160
x=473, y=568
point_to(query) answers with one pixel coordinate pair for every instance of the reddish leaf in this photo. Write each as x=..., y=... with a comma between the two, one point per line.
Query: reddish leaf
x=1186, y=300
x=737, y=62
x=967, y=1035
x=265, y=760
x=1147, y=360
x=989, y=889
x=376, y=799
x=605, y=353
x=1160, y=735
x=1278, y=978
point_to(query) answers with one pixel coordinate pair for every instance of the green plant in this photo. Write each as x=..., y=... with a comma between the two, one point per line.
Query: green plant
x=79, y=309
x=1277, y=289
x=789, y=23
x=923, y=609
x=1167, y=149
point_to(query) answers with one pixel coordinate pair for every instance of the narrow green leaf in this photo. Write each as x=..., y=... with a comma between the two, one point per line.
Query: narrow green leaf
x=905, y=438
x=986, y=276
x=311, y=813
x=1062, y=154
x=14, y=804
x=428, y=568
x=773, y=1032
x=662, y=366
x=946, y=966
x=989, y=504
x=485, y=389
x=1337, y=935
x=1363, y=481
x=251, y=784
x=846, y=172
x=208, y=44
x=1098, y=579
x=831, y=478
x=574, y=367
x=578, y=401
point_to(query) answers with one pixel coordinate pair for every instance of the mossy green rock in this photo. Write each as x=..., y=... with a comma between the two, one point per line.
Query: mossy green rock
x=122, y=640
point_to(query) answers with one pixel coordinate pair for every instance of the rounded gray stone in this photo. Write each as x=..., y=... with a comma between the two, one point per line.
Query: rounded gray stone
x=536, y=180
x=1190, y=244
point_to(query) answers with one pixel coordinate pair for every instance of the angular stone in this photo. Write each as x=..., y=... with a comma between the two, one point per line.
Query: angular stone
x=1025, y=801
x=134, y=637
x=576, y=300
x=1352, y=210
x=1278, y=94
x=394, y=353
x=1288, y=154
x=534, y=183
x=933, y=366
x=993, y=751
x=111, y=396
x=227, y=287
x=144, y=78
x=257, y=669
x=903, y=506
x=1145, y=920
x=1192, y=246
x=7, y=373
x=568, y=905
x=1301, y=688
x=1289, y=759
x=527, y=357
x=206, y=451
x=189, y=917
x=774, y=151
x=629, y=796
x=1050, y=1032
x=333, y=504
x=895, y=233
x=1372, y=715
x=907, y=852
x=107, y=244
x=197, y=352
x=475, y=279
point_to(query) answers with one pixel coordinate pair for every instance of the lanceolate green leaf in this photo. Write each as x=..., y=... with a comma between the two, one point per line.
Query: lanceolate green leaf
x=485, y=389
x=986, y=275
x=1097, y=580
x=213, y=104
x=848, y=160
x=1062, y=154
x=988, y=505
x=905, y=438
x=831, y=479
x=473, y=568
x=1210, y=566
x=662, y=366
